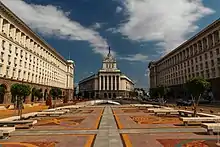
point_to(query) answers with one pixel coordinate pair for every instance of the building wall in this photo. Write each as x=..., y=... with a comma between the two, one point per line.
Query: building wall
x=26, y=57
x=199, y=56
x=126, y=85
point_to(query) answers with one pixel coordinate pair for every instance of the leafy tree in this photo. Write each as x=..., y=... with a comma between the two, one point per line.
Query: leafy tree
x=153, y=92
x=2, y=93
x=38, y=93
x=196, y=86
x=20, y=92
x=55, y=93
x=162, y=92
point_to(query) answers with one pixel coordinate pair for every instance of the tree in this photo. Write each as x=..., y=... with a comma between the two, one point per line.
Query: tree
x=162, y=92
x=2, y=93
x=55, y=93
x=20, y=92
x=153, y=92
x=196, y=86
x=38, y=93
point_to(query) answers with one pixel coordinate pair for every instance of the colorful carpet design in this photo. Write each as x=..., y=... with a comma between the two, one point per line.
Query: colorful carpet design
x=28, y=144
x=62, y=121
x=188, y=142
x=151, y=119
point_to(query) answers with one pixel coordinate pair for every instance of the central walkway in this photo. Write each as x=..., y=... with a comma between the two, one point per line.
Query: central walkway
x=108, y=134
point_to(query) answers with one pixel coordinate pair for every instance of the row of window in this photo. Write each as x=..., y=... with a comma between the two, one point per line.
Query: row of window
x=192, y=50
x=27, y=42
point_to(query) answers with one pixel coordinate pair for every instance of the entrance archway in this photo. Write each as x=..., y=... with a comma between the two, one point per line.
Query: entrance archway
x=109, y=95
x=105, y=95
x=114, y=95
x=32, y=94
x=3, y=90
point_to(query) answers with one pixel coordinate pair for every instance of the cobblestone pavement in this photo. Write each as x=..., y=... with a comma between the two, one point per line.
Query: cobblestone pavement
x=108, y=126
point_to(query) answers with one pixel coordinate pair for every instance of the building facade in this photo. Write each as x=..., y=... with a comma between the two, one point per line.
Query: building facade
x=199, y=56
x=109, y=82
x=27, y=58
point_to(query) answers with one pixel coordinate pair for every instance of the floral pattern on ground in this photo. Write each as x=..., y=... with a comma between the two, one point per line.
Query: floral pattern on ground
x=130, y=110
x=152, y=119
x=28, y=144
x=62, y=121
x=187, y=142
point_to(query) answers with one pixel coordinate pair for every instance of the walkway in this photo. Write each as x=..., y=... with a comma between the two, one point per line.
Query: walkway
x=108, y=134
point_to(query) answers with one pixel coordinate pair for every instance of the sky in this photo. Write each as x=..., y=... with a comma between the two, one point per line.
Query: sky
x=138, y=31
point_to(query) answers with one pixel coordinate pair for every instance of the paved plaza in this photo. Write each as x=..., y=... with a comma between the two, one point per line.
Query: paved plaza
x=110, y=126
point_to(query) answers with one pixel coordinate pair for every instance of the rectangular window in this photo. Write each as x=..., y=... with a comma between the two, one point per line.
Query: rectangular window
x=3, y=44
x=211, y=54
x=217, y=51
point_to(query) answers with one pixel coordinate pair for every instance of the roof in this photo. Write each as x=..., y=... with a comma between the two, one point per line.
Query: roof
x=125, y=77
x=88, y=78
x=188, y=41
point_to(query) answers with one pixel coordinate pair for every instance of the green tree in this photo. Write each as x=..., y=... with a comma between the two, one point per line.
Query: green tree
x=55, y=93
x=196, y=86
x=20, y=92
x=2, y=93
x=162, y=92
x=38, y=93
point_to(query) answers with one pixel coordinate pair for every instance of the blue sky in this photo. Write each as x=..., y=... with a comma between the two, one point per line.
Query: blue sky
x=138, y=31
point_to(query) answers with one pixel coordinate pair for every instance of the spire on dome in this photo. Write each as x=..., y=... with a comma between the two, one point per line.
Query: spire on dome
x=109, y=50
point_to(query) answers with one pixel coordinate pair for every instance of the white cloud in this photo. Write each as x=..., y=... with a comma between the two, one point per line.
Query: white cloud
x=166, y=21
x=96, y=25
x=135, y=57
x=118, y=9
x=113, y=30
x=53, y=21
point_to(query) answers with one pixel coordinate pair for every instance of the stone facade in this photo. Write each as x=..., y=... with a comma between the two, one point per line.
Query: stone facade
x=199, y=56
x=109, y=82
x=27, y=58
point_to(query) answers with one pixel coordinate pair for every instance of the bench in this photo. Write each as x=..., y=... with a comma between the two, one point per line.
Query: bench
x=29, y=115
x=5, y=132
x=165, y=111
x=56, y=110
x=211, y=127
x=53, y=113
x=186, y=120
x=30, y=123
x=190, y=113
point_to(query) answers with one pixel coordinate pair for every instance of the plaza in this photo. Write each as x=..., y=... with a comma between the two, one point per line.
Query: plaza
x=87, y=124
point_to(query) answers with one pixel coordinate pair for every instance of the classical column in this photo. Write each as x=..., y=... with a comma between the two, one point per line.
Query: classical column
x=213, y=39
x=7, y=29
x=1, y=24
x=99, y=82
x=107, y=82
x=115, y=83
x=103, y=82
x=112, y=82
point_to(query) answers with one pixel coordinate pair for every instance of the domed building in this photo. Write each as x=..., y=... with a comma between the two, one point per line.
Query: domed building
x=108, y=83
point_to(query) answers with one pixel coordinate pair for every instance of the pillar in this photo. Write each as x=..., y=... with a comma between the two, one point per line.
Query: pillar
x=107, y=82
x=1, y=24
x=99, y=85
x=103, y=82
